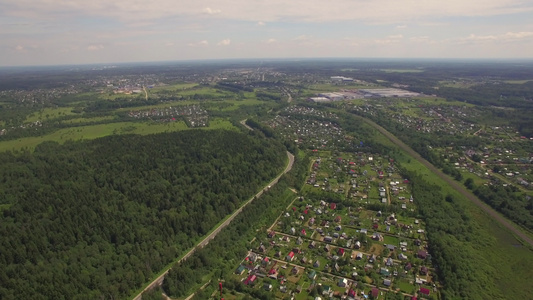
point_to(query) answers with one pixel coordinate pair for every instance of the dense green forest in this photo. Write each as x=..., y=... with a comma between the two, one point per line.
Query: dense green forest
x=219, y=257
x=97, y=219
x=454, y=241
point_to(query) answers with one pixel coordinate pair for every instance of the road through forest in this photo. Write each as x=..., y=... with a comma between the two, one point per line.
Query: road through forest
x=454, y=184
x=159, y=280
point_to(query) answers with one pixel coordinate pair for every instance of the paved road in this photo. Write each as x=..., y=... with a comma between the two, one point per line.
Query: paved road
x=454, y=184
x=159, y=280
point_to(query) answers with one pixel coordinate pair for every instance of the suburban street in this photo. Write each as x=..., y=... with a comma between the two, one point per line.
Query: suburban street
x=159, y=280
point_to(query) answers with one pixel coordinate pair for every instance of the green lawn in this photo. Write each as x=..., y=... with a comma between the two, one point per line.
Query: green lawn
x=96, y=131
x=88, y=120
x=49, y=114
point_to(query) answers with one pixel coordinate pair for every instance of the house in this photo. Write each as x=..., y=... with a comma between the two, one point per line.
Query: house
x=262, y=248
x=340, y=252
x=293, y=231
x=311, y=221
x=290, y=256
x=271, y=234
x=265, y=261
x=351, y=293
x=294, y=271
x=384, y=272
x=312, y=245
x=389, y=262
x=273, y=273
x=343, y=282
x=337, y=267
x=303, y=260
x=372, y=258
x=338, y=219
x=298, y=289
x=277, y=254
x=336, y=235
x=327, y=248
x=240, y=270
x=338, y=227
x=326, y=289
x=333, y=206
x=267, y=287
x=359, y=256
x=312, y=275
x=316, y=264
x=283, y=289
x=402, y=256
x=387, y=282
x=250, y=280
x=408, y=267
x=374, y=293
x=328, y=239
x=357, y=245
x=424, y=291
x=299, y=241
x=422, y=254
x=423, y=270
x=364, y=231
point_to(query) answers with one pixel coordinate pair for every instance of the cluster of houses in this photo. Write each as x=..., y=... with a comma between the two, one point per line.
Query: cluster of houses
x=194, y=115
x=309, y=132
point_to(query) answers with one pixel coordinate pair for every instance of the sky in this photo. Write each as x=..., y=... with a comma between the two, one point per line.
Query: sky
x=55, y=32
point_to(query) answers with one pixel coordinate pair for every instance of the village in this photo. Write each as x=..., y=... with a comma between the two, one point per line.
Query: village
x=353, y=233
x=194, y=115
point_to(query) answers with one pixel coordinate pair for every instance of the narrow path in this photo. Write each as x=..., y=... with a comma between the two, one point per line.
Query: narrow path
x=159, y=280
x=145, y=93
x=454, y=184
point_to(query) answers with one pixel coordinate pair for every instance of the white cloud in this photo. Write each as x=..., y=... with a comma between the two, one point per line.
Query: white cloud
x=381, y=11
x=401, y=26
x=199, y=44
x=397, y=36
x=270, y=41
x=95, y=47
x=498, y=38
x=19, y=48
x=210, y=11
x=224, y=42
x=260, y=23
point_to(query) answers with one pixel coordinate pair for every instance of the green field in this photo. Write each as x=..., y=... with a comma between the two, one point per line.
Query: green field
x=49, y=114
x=172, y=87
x=88, y=120
x=96, y=131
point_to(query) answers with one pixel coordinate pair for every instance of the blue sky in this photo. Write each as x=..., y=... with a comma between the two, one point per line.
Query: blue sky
x=50, y=32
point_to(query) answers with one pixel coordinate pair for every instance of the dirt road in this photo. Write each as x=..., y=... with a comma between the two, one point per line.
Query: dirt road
x=454, y=184
x=159, y=280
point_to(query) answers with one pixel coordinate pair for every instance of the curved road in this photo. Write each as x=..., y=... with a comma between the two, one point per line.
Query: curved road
x=159, y=280
x=454, y=184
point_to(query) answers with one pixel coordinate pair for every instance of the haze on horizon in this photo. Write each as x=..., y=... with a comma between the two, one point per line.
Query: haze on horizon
x=50, y=32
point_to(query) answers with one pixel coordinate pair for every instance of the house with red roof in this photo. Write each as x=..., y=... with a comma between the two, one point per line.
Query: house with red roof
x=333, y=206
x=290, y=256
x=340, y=252
x=374, y=293
x=425, y=291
